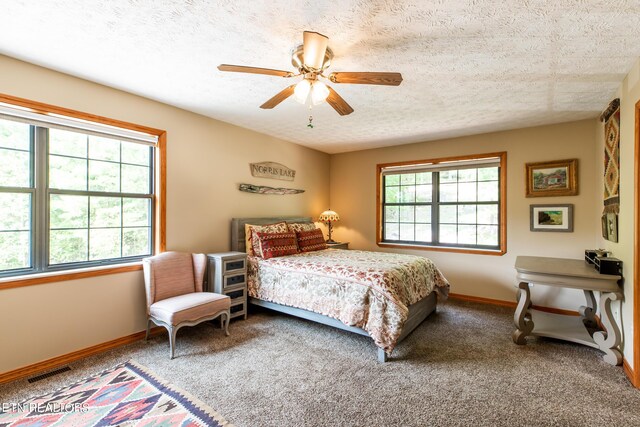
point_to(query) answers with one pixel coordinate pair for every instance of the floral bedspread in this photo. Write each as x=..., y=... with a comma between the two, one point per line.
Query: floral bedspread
x=369, y=290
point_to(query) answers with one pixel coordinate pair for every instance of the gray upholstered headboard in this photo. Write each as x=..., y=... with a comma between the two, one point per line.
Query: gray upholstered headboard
x=237, y=228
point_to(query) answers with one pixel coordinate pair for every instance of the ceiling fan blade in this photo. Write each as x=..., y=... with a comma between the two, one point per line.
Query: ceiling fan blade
x=254, y=70
x=278, y=98
x=338, y=104
x=315, y=46
x=387, y=79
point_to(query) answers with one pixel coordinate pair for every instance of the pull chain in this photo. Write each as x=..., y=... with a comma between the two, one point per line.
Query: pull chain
x=310, y=124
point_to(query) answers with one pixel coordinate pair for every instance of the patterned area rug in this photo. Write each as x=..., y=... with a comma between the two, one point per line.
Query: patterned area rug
x=125, y=395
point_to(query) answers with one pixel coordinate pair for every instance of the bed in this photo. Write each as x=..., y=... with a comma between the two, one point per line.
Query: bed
x=381, y=295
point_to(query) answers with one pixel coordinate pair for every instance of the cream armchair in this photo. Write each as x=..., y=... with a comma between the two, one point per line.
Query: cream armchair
x=173, y=282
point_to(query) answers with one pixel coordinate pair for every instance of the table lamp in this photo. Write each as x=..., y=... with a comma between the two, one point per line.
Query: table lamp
x=328, y=217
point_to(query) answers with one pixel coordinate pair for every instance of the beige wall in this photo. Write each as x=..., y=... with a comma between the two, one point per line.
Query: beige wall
x=629, y=94
x=207, y=159
x=353, y=196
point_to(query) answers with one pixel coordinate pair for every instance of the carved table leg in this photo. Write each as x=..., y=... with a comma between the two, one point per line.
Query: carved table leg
x=588, y=312
x=522, y=317
x=609, y=340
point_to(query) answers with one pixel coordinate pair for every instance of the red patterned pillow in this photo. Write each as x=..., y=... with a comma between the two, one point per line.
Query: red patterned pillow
x=276, y=244
x=252, y=242
x=312, y=240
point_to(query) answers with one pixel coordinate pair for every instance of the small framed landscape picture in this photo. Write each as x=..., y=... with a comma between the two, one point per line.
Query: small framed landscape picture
x=611, y=221
x=552, y=218
x=558, y=178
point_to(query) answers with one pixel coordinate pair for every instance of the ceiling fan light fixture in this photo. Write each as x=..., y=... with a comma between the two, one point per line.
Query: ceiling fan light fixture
x=301, y=92
x=319, y=92
x=315, y=92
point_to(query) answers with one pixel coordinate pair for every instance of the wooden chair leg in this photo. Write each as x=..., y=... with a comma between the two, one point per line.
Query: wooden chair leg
x=226, y=322
x=146, y=337
x=172, y=341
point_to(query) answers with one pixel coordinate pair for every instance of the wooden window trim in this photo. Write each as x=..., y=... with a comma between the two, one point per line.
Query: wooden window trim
x=503, y=206
x=159, y=197
x=634, y=373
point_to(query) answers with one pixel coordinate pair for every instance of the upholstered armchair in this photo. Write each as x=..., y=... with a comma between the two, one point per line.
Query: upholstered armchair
x=173, y=282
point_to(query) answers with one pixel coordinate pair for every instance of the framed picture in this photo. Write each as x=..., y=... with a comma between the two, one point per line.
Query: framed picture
x=612, y=226
x=557, y=178
x=552, y=218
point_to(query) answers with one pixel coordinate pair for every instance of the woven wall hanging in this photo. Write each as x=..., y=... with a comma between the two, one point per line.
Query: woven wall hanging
x=611, y=119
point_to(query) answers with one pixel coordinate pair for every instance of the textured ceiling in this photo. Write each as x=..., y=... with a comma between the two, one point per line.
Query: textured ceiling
x=469, y=66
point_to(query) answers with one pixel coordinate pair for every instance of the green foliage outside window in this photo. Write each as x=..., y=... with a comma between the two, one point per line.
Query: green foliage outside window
x=97, y=205
x=455, y=207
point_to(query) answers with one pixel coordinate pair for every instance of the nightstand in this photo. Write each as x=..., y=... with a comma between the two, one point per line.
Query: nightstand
x=338, y=245
x=228, y=275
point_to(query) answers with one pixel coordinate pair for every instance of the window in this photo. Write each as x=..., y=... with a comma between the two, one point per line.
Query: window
x=16, y=195
x=75, y=193
x=447, y=204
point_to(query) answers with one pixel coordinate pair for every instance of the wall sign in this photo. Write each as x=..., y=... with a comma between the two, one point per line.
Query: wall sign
x=272, y=170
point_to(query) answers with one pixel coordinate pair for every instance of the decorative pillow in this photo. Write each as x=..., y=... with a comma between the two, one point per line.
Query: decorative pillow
x=252, y=243
x=294, y=227
x=247, y=239
x=312, y=240
x=277, y=244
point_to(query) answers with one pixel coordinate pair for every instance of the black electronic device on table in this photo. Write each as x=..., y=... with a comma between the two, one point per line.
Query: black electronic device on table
x=608, y=265
x=603, y=264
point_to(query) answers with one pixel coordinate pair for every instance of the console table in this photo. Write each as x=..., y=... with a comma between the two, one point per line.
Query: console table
x=575, y=274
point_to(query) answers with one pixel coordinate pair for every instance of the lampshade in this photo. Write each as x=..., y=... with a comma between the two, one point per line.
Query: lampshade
x=319, y=92
x=316, y=89
x=329, y=215
x=301, y=91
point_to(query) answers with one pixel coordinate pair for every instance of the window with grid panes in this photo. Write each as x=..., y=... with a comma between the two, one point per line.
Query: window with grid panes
x=72, y=199
x=455, y=204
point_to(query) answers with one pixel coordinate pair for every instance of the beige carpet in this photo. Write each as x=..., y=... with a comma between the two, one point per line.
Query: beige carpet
x=459, y=368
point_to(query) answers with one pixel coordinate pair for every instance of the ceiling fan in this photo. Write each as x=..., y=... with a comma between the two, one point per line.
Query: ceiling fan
x=311, y=59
